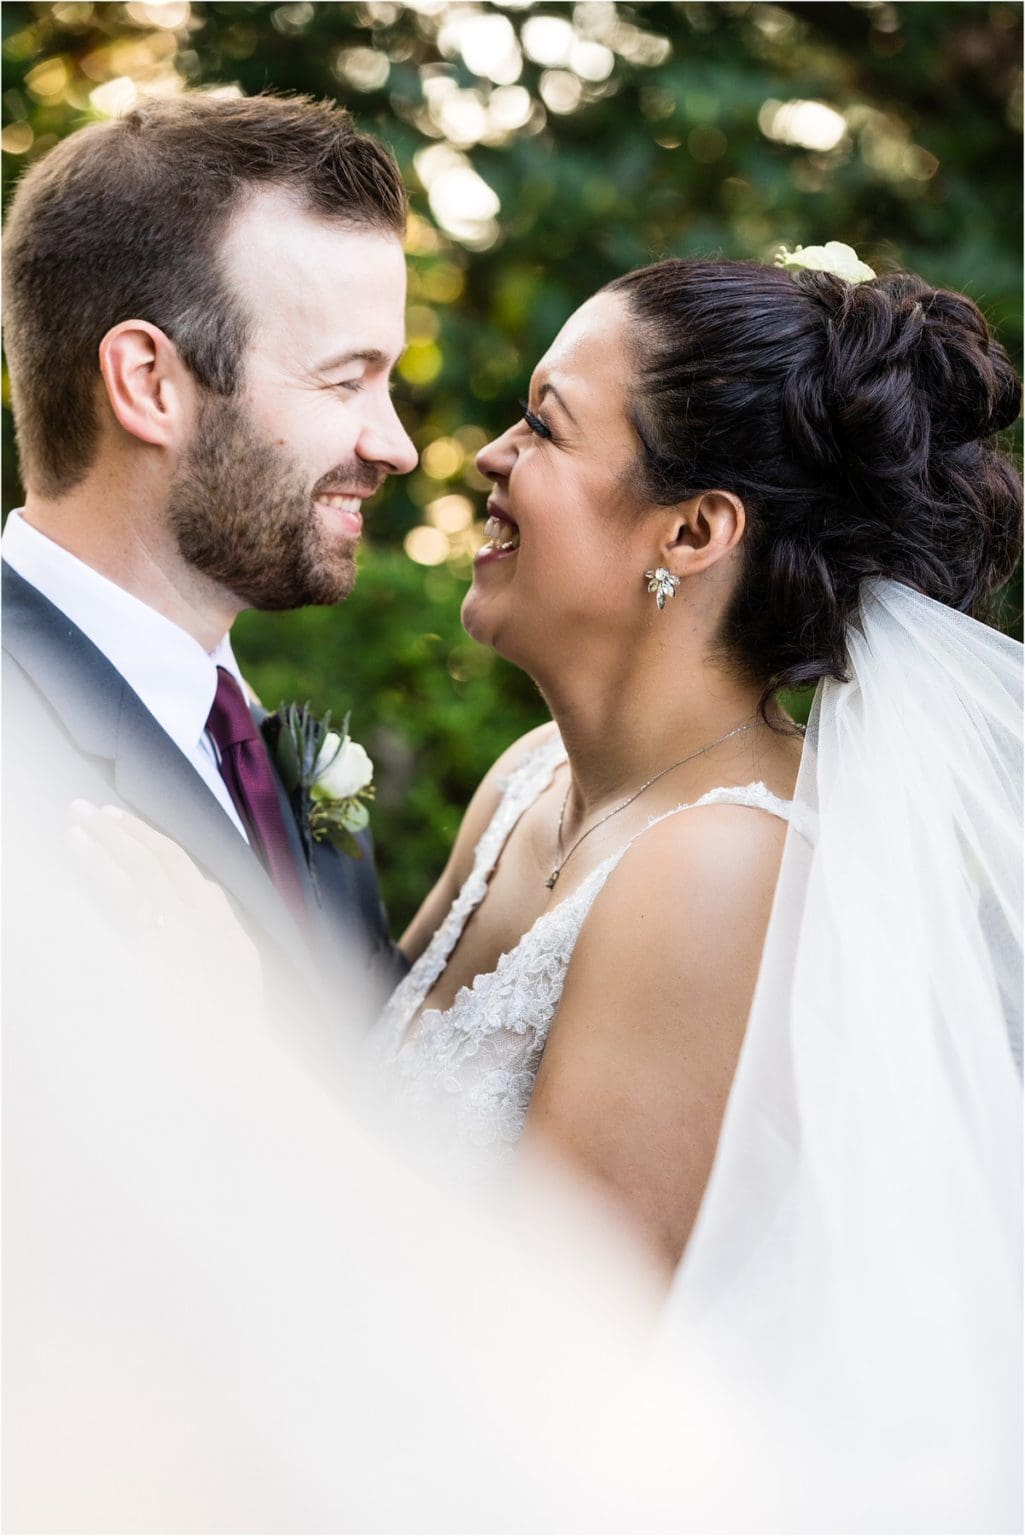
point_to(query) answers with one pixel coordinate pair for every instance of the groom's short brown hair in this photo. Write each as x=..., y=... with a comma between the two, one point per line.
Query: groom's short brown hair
x=123, y=221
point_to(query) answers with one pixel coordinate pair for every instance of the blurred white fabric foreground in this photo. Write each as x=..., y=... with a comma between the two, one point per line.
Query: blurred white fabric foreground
x=227, y=1307
x=230, y=1305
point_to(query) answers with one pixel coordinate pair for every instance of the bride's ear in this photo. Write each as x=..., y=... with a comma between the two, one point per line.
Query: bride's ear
x=702, y=531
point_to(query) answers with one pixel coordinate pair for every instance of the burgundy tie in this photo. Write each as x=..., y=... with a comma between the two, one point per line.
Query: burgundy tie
x=246, y=769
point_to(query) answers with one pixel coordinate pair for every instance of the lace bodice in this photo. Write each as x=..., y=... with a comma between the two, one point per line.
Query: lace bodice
x=477, y=1060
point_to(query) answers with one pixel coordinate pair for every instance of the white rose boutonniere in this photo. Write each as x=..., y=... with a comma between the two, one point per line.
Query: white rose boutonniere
x=329, y=777
x=342, y=769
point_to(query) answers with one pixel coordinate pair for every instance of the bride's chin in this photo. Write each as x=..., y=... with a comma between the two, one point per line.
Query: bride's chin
x=474, y=617
x=487, y=626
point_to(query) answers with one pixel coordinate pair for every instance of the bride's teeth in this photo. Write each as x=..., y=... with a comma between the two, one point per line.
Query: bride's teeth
x=500, y=534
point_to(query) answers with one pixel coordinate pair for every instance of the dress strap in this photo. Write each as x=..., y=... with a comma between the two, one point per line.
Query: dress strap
x=758, y=796
x=520, y=788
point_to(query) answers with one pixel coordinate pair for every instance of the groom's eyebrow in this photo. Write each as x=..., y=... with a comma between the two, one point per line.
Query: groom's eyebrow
x=372, y=355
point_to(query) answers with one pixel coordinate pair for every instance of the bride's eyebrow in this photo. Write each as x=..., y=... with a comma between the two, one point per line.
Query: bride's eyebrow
x=550, y=389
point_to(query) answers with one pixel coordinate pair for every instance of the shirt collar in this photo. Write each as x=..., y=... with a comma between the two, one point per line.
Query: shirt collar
x=169, y=670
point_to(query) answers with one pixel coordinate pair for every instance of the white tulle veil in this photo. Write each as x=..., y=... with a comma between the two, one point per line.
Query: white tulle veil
x=858, y=1255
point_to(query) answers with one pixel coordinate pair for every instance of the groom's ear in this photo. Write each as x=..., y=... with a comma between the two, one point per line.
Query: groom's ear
x=148, y=387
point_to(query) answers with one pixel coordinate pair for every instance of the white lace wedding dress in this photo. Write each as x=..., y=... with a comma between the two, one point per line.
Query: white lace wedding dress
x=476, y=1061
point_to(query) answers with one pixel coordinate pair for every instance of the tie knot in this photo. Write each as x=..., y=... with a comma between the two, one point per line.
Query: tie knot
x=230, y=721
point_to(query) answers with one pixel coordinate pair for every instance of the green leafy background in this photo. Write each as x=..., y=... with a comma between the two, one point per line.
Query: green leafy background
x=587, y=139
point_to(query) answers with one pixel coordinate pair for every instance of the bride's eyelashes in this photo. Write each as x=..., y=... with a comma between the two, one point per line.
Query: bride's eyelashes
x=537, y=424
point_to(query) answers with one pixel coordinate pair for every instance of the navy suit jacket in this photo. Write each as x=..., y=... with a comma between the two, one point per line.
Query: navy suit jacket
x=64, y=703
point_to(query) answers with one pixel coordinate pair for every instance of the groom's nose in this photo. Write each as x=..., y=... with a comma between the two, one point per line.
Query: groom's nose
x=385, y=441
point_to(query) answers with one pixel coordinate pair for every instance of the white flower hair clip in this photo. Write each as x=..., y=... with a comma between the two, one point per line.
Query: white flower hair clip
x=834, y=257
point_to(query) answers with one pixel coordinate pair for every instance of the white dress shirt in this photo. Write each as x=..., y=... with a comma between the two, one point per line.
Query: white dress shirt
x=169, y=670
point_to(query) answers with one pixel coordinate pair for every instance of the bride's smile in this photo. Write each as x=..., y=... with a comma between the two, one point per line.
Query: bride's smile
x=502, y=536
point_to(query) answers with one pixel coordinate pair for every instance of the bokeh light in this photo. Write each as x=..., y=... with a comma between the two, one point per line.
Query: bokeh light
x=426, y=545
x=811, y=124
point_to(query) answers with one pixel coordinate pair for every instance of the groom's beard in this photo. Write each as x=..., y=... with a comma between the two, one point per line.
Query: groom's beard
x=243, y=514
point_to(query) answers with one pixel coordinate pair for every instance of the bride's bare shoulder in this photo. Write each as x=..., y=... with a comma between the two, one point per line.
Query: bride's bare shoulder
x=691, y=894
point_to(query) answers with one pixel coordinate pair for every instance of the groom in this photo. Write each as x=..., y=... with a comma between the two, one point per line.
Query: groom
x=204, y=301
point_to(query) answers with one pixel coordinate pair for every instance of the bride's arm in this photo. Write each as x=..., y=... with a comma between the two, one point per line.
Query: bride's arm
x=641, y=1054
x=478, y=814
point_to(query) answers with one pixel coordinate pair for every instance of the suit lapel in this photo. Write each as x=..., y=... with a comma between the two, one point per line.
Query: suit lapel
x=313, y=905
x=154, y=778
x=105, y=718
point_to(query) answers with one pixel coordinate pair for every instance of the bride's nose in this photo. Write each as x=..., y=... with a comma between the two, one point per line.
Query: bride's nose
x=497, y=458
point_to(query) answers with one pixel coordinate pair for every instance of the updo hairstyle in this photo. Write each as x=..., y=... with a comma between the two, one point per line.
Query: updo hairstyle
x=854, y=421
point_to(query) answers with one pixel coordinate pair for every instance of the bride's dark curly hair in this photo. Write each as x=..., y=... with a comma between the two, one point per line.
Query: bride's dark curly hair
x=855, y=422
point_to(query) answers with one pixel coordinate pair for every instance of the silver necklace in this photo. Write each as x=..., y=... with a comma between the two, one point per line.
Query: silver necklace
x=561, y=861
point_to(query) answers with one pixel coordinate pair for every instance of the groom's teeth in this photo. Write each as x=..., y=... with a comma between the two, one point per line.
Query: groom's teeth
x=343, y=503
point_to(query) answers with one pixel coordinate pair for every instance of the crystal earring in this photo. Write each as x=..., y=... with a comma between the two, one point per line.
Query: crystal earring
x=663, y=583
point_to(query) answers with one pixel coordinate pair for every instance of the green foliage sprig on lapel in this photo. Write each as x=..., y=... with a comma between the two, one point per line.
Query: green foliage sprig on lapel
x=329, y=777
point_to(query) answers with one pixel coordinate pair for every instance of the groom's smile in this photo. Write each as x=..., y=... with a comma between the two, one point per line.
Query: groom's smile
x=339, y=497
x=349, y=510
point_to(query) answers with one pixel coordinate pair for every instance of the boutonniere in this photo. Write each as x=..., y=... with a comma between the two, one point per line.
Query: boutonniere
x=329, y=777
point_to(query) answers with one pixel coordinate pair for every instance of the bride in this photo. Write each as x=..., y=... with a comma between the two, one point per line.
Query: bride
x=730, y=478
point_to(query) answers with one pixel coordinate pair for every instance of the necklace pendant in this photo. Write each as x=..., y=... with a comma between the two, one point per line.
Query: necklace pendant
x=550, y=882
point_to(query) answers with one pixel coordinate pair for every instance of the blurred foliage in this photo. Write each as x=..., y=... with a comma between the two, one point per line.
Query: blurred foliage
x=547, y=148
